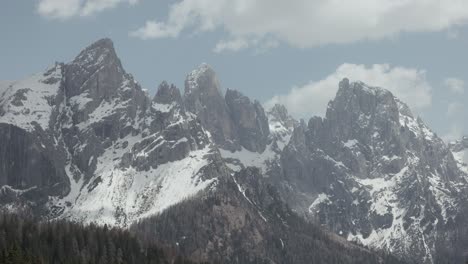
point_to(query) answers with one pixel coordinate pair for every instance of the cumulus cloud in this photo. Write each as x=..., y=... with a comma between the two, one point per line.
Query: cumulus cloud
x=409, y=84
x=153, y=30
x=261, y=45
x=308, y=23
x=455, y=85
x=231, y=45
x=63, y=9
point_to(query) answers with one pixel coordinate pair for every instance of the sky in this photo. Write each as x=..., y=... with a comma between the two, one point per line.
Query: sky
x=291, y=52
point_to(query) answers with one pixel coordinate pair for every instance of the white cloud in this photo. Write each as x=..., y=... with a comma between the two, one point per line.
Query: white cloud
x=455, y=85
x=63, y=9
x=308, y=23
x=153, y=30
x=231, y=45
x=261, y=45
x=409, y=84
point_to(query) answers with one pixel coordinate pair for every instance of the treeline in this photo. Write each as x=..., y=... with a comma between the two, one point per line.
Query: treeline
x=24, y=240
x=285, y=237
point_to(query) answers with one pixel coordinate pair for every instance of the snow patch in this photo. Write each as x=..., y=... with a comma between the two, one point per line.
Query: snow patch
x=29, y=101
x=350, y=143
x=163, y=108
x=462, y=159
x=321, y=198
x=251, y=159
x=120, y=196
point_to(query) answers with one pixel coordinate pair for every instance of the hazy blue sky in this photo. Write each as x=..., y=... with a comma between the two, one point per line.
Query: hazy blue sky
x=293, y=52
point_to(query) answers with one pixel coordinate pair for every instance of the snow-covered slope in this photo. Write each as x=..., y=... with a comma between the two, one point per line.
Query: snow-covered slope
x=29, y=102
x=237, y=160
x=120, y=196
x=459, y=150
x=83, y=141
x=119, y=155
x=376, y=174
x=281, y=127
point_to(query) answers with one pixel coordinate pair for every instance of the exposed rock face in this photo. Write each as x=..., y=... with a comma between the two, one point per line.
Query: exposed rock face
x=84, y=141
x=378, y=174
x=233, y=121
x=99, y=105
x=280, y=129
x=459, y=145
x=203, y=97
x=30, y=168
x=26, y=163
x=459, y=150
x=250, y=121
x=281, y=125
x=168, y=94
x=88, y=136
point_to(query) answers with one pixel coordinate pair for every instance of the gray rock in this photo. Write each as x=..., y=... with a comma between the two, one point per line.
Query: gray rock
x=250, y=120
x=203, y=97
x=244, y=220
x=102, y=130
x=168, y=94
x=371, y=167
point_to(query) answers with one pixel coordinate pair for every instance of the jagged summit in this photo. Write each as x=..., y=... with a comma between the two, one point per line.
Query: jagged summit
x=250, y=120
x=460, y=144
x=358, y=106
x=97, y=72
x=101, y=44
x=359, y=94
x=359, y=86
x=104, y=42
x=203, y=97
x=84, y=142
x=203, y=78
x=389, y=177
x=98, y=53
x=279, y=110
x=280, y=121
x=459, y=150
x=167, y=94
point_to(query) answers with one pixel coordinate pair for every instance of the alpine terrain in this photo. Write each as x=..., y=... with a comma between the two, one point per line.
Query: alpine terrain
x=221, y=179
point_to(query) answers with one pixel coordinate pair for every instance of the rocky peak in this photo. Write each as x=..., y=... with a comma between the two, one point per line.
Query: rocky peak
x=96, y=78
x=356, y=102
x=459, y=150
x=99, y=53
x=459, y=145
x=279, y=114
x=371, y=160
x=203, y=80
x=358, y=112
x=96, y=71
x=203, y=98
x=279, y=111
x=236, y=96
x=167, y=94
x=250, y=120
x=375, y=118
x=281, y=125
x=361, y=95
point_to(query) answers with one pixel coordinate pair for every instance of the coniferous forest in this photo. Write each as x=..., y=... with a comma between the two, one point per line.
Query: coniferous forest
x=24, y=240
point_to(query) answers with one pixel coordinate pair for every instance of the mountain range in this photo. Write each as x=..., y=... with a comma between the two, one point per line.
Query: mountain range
x=224, y=180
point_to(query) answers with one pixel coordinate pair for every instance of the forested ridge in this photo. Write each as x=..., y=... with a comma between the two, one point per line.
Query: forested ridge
x=203, y=228
x=25, y=240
